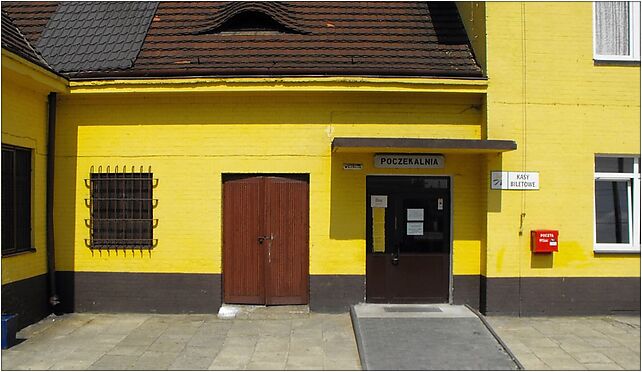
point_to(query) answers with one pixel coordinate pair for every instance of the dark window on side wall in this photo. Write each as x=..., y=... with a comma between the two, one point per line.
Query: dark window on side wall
x=16, y=199
x=121, y=210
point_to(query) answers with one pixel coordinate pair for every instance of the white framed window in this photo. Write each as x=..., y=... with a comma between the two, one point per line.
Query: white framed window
x=616, y=31
x=617, y=204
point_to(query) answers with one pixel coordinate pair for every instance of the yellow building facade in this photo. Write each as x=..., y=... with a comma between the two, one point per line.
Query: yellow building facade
x=544, y=106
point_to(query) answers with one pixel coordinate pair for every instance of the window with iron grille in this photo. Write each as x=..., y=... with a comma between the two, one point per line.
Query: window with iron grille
x=16, y=200
x=121, y=210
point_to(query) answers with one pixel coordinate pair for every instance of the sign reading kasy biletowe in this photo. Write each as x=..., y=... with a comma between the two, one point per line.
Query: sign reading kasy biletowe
x=408, y=161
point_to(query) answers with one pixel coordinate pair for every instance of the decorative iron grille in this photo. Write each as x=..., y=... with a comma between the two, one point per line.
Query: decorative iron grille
x=121, y=209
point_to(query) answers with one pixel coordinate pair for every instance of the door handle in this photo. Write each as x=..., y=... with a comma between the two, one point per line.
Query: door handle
x=270, y=248
x=261, y=239
x=395, y=255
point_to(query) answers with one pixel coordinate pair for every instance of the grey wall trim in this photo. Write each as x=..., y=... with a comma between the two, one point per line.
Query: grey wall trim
x=139, y=292
x=335, y=293
x=27, y=298
x=466, y=290
x=560, y=296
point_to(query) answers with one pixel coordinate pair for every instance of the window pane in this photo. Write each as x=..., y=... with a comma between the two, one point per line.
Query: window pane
x=8, y=237
x=614, y=165
x=23, y=199
x=612, y=211
x=612, y=28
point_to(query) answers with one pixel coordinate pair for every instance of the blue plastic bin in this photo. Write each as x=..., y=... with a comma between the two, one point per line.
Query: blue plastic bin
x=9, y=325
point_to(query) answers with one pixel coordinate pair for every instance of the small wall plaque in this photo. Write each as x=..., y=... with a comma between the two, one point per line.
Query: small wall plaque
x=352, y=166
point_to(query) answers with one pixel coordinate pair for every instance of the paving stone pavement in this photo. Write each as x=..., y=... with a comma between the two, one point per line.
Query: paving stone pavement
x=84, y=341
x=572, y=343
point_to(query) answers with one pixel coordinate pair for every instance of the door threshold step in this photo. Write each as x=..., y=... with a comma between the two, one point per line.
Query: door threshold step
x=262, y=312
x=372, y=310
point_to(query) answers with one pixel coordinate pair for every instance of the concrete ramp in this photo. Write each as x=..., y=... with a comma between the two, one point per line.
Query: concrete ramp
x=426, y=337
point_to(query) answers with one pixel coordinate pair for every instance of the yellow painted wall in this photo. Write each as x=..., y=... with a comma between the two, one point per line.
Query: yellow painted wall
x=24, y=124
x=190, y=139
x=348, y=205
x=473, y=16
x=546, y=92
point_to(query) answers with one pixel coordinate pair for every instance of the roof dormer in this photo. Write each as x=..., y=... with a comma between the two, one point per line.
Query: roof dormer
x=252, y=18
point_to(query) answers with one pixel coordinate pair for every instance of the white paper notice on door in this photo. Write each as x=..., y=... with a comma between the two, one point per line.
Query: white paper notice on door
x=415, y=228
x=379, y=201
x=415, y=214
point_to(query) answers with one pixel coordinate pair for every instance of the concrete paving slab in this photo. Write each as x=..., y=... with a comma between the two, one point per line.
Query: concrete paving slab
x=597, y=342
x=531, y=362
x=591, y=357
x=131, y=350
x=602, y=366
x=303, y=350
x=202, y=352
x=154, y=360
x=113, y=362
x=224, y=362
x=168, y=345
x=265, y=366
x=272, y=344
x=427, y=337
x=190, y=363
x=152, y=342
x=308, y=362
x=78, y=361
x=624, y=358
x=270, y=357
x=334, y=364
x=96, y=346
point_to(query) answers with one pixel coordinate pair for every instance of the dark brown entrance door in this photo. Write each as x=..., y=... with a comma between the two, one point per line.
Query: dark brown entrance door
x=408, y=240
x=265, y=240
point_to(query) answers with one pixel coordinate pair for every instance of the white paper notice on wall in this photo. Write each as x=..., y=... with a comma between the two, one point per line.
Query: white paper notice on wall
x=415, y=214
x=379, y=201
x=415, y=228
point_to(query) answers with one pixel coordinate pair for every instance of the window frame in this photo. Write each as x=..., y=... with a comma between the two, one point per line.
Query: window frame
x=7, y=252
x=114, y=180
x=634, y=36
x=633, y=202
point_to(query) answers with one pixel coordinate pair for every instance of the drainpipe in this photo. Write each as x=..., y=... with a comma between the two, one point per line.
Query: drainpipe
x=51, y=153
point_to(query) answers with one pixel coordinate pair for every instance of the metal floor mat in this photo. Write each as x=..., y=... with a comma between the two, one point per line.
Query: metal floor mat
x=412, y=309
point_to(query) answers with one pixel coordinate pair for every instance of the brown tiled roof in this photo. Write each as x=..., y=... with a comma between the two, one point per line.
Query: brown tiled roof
x=342, y=38
x=14, y=41
x=31, y=17
x=309, y=38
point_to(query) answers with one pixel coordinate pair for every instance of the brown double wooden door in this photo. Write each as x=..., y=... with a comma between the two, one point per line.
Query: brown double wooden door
x=265, y=240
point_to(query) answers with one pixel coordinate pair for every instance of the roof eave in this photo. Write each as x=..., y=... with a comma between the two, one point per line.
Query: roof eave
x=283, y=84
x=21, y=66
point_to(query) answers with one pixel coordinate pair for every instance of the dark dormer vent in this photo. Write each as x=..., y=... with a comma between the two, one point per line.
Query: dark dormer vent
x=252, y=22
x=252, y=17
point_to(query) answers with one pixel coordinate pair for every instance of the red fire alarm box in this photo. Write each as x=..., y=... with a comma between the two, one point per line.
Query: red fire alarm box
x=544, y=241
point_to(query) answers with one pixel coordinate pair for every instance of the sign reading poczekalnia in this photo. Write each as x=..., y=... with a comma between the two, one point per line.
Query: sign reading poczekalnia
x=408, y=161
